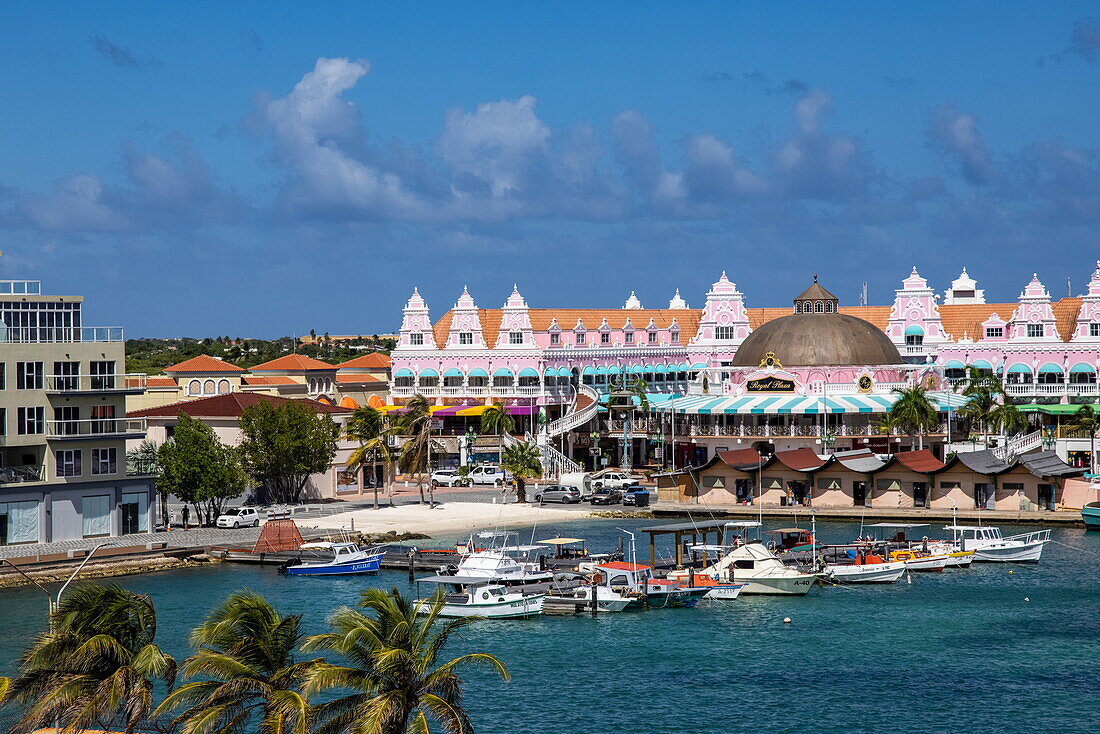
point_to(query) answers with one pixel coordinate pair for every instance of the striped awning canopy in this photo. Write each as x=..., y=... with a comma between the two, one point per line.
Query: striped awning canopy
x=790, y=405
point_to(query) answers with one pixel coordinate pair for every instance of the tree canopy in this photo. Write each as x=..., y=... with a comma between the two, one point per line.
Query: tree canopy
x=198, y=468
x=283, y=445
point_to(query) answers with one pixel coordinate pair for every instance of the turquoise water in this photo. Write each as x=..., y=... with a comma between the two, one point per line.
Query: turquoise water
x=960, y=651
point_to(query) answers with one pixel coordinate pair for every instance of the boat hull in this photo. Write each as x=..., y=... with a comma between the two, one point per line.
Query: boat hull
x=930, y=564
x=530, y=606
x=366, y=565
x=725, y=592
x=1090, y=515
x=875, y=573
x=1027, y=553
x=779, y=585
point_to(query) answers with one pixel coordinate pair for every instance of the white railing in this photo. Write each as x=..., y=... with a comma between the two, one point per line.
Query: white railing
x=60, y=334
x=804, y=431
x=95, y=383
x=1018, y=445
x=1056, y=389
x=575, y=418
x=95, y=427
x=555, y=463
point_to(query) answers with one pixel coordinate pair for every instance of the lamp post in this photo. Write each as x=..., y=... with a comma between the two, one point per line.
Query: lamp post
x=55, y=601
x=468, y=442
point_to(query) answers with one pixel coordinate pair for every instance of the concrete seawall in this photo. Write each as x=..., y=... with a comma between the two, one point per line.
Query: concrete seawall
x=875, y=514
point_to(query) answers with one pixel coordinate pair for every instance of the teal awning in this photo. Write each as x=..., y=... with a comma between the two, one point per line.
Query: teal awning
x=981, y=364
x=1081, y=367
x=528, y=372
x=614, y=370
x=1049, y=368
x=914, y=331
x=698, y=366
x=428, y=372
x=503, y=372
x=403, y=372
x=478, y=372
x=1016, y=368
x=588, y=371
x=453, y=372
x=954, y=364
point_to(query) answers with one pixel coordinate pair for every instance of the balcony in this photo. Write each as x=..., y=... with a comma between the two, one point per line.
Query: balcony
x=129, y=384
x=1055, y=390
x=20, y=474
x=60, y=334
x=95, y=428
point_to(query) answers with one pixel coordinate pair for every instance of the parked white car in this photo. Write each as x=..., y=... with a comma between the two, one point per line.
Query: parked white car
x=448, y=478
x=488, y=474
x=613, y=478
x=239, y=517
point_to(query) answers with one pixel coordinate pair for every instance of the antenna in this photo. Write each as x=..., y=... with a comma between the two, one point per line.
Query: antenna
x=863, y=294
x=1069, y=288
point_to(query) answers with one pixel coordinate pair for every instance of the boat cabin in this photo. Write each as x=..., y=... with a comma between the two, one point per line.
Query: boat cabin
x=974, y=532
x=339, y=551
x=567, y=548
x=791, y=539
x=621, y=575
x=894, y=532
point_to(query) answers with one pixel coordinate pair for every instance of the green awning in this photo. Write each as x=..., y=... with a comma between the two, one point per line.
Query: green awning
x=1056, y=409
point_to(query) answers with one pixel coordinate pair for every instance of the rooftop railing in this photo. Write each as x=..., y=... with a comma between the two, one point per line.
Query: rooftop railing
x=20, y=287
x=60, y=334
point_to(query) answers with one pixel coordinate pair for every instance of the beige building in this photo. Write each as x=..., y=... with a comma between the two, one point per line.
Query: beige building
x=63, y=423
x=223, y=413
x=352, y=384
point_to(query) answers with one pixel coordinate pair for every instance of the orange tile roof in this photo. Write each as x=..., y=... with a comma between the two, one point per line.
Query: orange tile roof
x=541, y=318
x=294, y=362
x=160, y=382
x=957, y=319
x=358, y=378
x=202, y=364
x=230, y=405
x=372, y=361
x=270, y=380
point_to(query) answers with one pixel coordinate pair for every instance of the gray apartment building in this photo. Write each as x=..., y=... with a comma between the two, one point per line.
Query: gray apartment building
x=63, y=425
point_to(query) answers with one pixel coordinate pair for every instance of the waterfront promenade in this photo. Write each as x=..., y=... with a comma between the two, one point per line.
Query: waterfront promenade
x=873, y=514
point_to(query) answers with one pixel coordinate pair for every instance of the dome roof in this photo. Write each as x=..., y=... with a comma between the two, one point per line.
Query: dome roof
x=817, y=339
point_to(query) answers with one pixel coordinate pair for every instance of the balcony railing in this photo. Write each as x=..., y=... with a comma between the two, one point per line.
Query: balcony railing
x=24, y=473
x=1056, y=389
x=60, y=334
x=95, y=428
x=809, y=431
x=128, y=383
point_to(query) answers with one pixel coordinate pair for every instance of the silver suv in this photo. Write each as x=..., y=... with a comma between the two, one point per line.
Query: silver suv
x=558, y=493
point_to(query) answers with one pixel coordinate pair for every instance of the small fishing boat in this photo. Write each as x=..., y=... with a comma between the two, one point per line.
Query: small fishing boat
x=989, y=545
x=921, y=554
x=637, y=582
x=471, y=597
x=858, y=565
x=1090, y=514
x=791, y=540
x=596, y=597
x=718, y=590
x=916, y=560
x=498, y=561
x=346, y=558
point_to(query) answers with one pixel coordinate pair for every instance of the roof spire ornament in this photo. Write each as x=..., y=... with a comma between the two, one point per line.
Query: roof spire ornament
x=632, y=303
x=677, y=303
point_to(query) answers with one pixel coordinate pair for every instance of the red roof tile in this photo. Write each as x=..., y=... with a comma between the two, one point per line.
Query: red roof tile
x=799, y=459
x=740, y=458
x=230, y=405
x=372, y=361
x=202, y=364
x=919, y=461
x=358, y=378
x=270, y=380
x=160, y=382
x=294, y=362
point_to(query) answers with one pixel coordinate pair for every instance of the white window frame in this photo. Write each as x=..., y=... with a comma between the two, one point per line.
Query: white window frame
x=69, y=462
x=104, y=461
x=724, y=333
x=465, y=338
x=1039, y=328
x=416, y=339
x=515, y=337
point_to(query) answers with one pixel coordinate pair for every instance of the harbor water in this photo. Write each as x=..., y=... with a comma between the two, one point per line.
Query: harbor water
x=997, y=647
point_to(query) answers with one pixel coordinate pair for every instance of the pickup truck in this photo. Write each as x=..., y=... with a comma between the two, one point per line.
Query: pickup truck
x=589, y=482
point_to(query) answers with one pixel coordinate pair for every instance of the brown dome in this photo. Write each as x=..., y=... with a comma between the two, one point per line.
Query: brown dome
x=818, y=339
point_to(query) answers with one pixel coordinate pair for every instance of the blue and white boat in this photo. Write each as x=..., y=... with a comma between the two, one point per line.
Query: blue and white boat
x=347, y=558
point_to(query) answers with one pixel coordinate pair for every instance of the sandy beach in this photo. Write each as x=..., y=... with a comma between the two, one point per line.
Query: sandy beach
x=445, y=517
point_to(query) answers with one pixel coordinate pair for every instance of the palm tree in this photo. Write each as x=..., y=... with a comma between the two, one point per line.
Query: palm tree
x=496, y=421
x=523, y=461
x=913, y=412
x=392, y=681
x=96, y=666
x=415, y=455
x=984, y=392
x=1085, y=419
x=1007, y=418
x=251, y=679
x=367, y=427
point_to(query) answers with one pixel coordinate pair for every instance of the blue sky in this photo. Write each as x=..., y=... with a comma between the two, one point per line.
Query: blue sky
x=259, y=169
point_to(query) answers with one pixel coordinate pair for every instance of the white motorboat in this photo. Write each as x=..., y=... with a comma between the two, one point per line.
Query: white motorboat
x=759, y=569
x=581, y=599
x=498, y=563
x=467, y=597
x=989, y=545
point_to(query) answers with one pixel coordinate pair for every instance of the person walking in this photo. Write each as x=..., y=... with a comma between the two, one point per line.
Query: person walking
x=186, y=516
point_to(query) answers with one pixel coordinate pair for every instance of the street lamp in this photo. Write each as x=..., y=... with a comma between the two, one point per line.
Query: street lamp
x=55, y=602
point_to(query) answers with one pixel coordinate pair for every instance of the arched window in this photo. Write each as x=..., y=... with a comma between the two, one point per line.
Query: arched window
x=819, y=307
x=208, y=387
x=914, y=336
x=194, y=387
x=223, y=387
x=828, y=306
x=798, y=306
